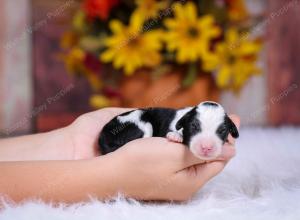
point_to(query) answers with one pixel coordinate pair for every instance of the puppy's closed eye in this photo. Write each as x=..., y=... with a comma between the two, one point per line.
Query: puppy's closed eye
x=195, y=125
x=223, y=132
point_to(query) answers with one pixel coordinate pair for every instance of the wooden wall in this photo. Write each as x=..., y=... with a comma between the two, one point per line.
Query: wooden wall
x=283, y=62
x=2, y=30
x=51, y=19
x=15, y=61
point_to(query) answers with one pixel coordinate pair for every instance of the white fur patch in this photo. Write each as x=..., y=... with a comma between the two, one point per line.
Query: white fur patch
x=135, y=117
x=210, y=118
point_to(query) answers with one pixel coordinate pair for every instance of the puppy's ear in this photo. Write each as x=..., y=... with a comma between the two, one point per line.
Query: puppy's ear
x=185, y=118
x=231, y=126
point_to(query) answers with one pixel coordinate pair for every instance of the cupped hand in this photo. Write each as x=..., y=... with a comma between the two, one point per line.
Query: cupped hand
x=83, y=133
x=148, y=168
x=156, y=169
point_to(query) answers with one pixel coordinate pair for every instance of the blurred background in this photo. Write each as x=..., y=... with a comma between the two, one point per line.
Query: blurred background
x=62, y=58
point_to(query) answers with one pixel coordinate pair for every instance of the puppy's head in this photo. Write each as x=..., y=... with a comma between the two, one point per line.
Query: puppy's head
x=205, y=129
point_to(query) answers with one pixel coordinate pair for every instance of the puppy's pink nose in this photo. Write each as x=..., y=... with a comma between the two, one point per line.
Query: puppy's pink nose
x=206, y=149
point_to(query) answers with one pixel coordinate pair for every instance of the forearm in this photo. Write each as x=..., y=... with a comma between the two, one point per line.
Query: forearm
x=58, y=181
x=43, y=146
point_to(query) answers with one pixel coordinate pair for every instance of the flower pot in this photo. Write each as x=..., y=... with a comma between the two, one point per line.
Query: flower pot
x=140, y=90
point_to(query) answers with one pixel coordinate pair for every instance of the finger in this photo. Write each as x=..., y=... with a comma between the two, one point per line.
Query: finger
x=197, y=175
x=208, y=170
x=236, y=120
x=189, y=159
x=228, y=152
x=179, y=154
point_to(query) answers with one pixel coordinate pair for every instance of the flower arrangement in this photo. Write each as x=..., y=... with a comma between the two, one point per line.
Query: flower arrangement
x=113, y=38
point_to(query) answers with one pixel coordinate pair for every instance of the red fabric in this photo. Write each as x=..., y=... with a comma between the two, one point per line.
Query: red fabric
x=99, y=8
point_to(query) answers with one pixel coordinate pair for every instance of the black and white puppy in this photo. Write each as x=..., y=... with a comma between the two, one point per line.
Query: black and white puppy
x=203, y=128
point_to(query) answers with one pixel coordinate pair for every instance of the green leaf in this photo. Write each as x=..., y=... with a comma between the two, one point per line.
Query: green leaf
x=79, y=22
x=91, y=43
x=191, y=75
x=160, y=71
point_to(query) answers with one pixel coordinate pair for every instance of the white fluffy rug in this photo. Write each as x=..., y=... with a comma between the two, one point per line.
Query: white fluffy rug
x=261, y=182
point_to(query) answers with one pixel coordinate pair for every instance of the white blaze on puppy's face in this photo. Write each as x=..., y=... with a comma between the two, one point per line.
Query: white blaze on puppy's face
x=206, y=144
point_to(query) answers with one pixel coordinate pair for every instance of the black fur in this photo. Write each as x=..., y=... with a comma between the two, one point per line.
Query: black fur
x=111, y=141
x=160, y=118
x=190, y=124
x=231, y=127
x=210, y=104
x=226, y=128
x=116, y=134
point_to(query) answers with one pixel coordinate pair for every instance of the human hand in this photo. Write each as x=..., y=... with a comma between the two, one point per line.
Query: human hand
x=147, y=169
x=83, y=133
x=156, y=169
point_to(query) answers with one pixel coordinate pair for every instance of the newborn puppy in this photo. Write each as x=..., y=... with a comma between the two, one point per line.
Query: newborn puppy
x=203, y=128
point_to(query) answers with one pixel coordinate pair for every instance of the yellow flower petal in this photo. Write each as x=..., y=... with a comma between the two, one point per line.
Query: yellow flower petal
x=149, y=8
x=119, y=61
x=179, y=11
x=223, y=76
x=116, y=26
x=99, y=101
x=107, y=56
x=249, y=48
x=171, y=23
x=191, y=11
x=210, y=62
x=129, y=68
x=232, y=35
x=206, y=21
x=136, y=22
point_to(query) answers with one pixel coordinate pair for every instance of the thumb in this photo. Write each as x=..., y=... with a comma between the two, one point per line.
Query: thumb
x=200, y=174
x=208, y=170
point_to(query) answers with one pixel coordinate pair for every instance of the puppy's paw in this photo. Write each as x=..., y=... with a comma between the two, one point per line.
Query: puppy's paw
x=174, y=136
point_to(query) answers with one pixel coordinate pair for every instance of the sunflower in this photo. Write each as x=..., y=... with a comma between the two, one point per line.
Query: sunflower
x=234, y=60
x=190, y=36
x=150, y=8
x=129, y=48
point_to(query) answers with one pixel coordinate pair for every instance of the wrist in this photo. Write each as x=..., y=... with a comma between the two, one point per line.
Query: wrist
x=44, y=146
x=56, y=145
x=108, y=175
